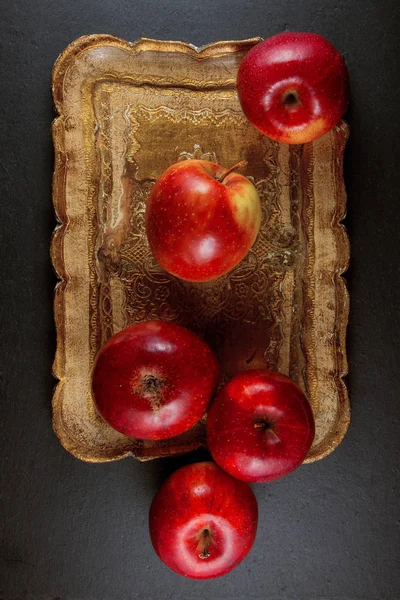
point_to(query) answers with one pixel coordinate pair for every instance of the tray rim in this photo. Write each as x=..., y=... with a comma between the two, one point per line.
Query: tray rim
x=83, y=43
x=218, y=48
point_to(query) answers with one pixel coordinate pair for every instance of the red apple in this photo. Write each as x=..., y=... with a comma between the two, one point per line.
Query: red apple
x=154, y=380
x=260, y=426
x=201, y=219
x=294, y=87
x=203, y=521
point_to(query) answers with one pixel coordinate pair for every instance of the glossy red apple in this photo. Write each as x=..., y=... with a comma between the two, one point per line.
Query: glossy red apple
x=260, y=426
x=201, y=219
x=294, y=87
x=154, y=380
x=203, y=521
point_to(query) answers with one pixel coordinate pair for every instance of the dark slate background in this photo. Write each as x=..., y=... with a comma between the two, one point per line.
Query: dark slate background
x=74, y=531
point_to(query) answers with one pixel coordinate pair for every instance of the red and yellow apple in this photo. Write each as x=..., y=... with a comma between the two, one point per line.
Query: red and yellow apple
x=154, y=380
x=294, y=87
x=201, y=219
x=203, y=522
x=260, y=426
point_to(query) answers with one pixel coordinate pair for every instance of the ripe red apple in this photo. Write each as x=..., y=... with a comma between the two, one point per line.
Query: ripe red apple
x=294, y=87
x=260, y=426
x=201, y=219
x=154, y=380
x=203, y=521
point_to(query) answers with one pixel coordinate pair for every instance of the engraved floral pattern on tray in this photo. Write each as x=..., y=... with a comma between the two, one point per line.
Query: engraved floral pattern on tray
x=284, y=307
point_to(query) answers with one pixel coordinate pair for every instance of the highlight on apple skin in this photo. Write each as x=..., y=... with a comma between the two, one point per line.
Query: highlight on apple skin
x=202, y=219
x=260, y=427
x=202, y=521
x=154, y=380
x=293, y=87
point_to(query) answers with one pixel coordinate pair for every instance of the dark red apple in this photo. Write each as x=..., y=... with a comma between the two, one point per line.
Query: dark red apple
x=260, y=426
x=294, y=87
x=201, y=219
x=203, y=521
x=154, y=380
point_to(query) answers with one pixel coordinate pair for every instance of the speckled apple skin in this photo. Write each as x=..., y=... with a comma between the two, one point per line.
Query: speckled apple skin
x=154, y=380
x=294, y=87
x=197, y=499
x=199, y=227
x=260, y=426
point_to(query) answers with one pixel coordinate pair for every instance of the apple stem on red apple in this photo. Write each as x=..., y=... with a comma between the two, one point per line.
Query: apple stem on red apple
x=268, y=428
x=273, y=435
x=239, y=165
x=204, y=543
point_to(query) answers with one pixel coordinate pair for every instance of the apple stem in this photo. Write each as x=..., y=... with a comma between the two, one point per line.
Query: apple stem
x=239, y=165
x=204, y=543
x=274, y=436
x=268, y=428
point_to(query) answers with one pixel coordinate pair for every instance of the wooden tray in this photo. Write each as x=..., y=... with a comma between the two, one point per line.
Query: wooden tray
x=126, y=112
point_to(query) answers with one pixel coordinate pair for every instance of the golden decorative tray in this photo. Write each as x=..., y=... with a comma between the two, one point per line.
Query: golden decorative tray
x=126, y=112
